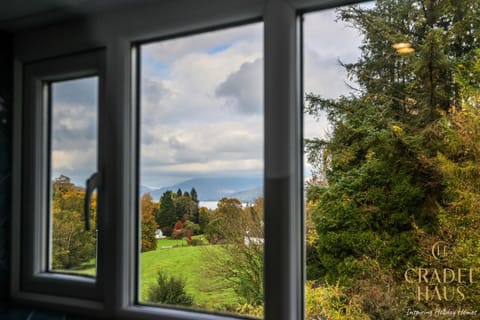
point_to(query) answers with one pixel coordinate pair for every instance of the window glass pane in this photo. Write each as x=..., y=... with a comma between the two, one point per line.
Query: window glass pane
x=201, y=172
x=392, y=160
x=73, y=159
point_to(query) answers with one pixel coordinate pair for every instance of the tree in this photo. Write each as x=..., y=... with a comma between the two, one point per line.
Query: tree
x=149, y=225
x=457, y=139
x=72, y=245
x=166, y=216
x=238, y=263
x=184, y=207
x=178, y=230
x=204, y=217
x=383, y=191
x=228, y=224
x=194, y=197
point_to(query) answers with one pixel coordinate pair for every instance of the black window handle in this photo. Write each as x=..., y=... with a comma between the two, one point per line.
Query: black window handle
x=92, y=183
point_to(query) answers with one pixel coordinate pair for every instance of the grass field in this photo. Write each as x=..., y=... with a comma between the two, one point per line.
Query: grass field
x=175, y=258
x=185, y=262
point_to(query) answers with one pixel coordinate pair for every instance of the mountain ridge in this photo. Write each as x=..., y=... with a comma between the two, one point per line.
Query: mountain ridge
x=246, y=189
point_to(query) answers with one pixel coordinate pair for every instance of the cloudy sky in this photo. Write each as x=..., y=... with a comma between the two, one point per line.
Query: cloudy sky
x=202, y=109
x=201, y=103
x=74, y=128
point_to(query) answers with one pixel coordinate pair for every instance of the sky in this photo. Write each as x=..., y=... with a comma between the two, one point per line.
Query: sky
x=202, y=106
x=201, y=103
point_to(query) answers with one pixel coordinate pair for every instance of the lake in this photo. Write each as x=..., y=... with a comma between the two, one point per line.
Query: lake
x=212, y=205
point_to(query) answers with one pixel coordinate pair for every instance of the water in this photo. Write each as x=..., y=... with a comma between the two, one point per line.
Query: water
x=212, y=205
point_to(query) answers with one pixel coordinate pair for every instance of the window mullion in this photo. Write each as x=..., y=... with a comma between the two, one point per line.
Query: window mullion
x=283, y=208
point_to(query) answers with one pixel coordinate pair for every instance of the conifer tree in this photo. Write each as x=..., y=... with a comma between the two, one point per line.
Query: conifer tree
x=381, y=186
x=166, y=217
x=194, y=197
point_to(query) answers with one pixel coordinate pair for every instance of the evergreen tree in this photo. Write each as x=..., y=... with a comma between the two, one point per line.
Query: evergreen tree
x=194, y=197
x=179, y=192
x=166, y=217
x=381, y=190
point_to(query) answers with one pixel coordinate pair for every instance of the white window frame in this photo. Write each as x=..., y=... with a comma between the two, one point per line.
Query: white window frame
x=283, y=177
x=38, y=78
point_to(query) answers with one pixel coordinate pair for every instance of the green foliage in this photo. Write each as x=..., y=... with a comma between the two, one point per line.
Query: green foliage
x=204, y=217
x=189, y=225
x=185, y=207
x=457, y=136
x=169, y=290
x=240, y=267
x=251, y=310
x=331, y=302
x=166, y=216
x=228, y=223
x=72, y=245
x=195, y=214
x=400, y=169
x=239, y=262
x=197, y=242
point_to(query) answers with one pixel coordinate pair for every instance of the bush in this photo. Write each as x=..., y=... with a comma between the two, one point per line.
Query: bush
x=325, y=301
x=169, y=290
x=197, y=242
x=251, y=310
x=189, y=225
x=167, y=231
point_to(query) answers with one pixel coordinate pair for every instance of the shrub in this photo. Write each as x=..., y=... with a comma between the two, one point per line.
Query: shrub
x=325, y=301
x=167, y=231
x=169, y=290
x=251, y=310
x=196, y=242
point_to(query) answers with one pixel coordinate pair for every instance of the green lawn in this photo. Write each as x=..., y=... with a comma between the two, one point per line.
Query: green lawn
x=185, y=262
x=176, y=258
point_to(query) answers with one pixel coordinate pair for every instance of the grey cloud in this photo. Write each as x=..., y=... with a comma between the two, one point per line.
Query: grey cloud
x=191, y=157
x=64, y=138
x=148, y=138
x=152, y=89
x=74, y=126
x=79, y=91
x=245, y=86
x=324, y=75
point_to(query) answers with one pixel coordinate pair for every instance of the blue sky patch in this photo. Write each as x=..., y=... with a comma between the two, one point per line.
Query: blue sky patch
x=219, y=48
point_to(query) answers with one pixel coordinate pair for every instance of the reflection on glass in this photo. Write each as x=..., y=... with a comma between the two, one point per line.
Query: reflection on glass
x=201, y=172
x=73, y=158
x=393, y=161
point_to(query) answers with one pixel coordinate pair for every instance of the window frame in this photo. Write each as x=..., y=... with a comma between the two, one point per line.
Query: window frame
x=283, y=159
x=38, y=77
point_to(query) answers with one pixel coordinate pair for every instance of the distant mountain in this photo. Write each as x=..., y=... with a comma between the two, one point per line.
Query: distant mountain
x=245, y=189
x=248, y=196
x=145, y=189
